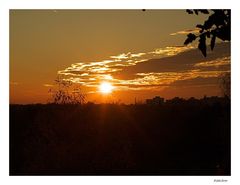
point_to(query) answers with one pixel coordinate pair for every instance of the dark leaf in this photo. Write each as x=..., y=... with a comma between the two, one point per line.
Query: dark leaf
x=190, y=37
x=189, y=11
x=209, y=23
x=202, y=44
x=208, y=34
x=224, y=33
x=213, y=42
x=204, y=11
x=200, y=26
x=196, y=12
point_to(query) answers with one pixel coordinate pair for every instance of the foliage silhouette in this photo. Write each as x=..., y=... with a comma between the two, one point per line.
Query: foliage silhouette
x=218, y=25
x=66, y=92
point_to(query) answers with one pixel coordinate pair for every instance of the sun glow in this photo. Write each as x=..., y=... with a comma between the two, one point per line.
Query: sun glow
x=106, y=88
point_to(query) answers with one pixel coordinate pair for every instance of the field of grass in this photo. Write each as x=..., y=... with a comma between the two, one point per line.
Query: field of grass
x=176, y=138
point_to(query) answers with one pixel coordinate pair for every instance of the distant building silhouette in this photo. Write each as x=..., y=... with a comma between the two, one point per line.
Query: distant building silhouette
x=157, y=100
x=175, y=101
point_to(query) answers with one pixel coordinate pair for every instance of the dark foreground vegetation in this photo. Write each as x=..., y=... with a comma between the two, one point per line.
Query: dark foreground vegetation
x=179, y=137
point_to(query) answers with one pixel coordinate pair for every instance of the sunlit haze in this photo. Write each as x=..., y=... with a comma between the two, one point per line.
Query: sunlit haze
x=139, y=54
x=120, y=92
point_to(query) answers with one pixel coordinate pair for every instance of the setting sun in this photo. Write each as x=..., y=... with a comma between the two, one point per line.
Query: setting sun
x=106, y=88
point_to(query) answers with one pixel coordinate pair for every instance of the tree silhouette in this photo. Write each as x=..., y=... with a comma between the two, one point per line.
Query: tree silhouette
x=218, y=25
x=225, y=85
x=66, y=92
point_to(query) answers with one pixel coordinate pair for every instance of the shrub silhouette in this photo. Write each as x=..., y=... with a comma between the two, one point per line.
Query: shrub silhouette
x=66, y=92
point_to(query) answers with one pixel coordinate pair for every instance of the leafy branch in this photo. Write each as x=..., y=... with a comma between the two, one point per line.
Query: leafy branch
x=218, y=25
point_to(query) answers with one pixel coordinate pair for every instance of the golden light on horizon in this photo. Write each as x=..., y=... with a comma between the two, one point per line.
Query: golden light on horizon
x=106, y=87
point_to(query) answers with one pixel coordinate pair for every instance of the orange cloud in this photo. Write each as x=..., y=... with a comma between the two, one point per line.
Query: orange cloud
x=171, y=50
x=214, y=63
x=147, y=73
x=48, y=85
x=185, y=32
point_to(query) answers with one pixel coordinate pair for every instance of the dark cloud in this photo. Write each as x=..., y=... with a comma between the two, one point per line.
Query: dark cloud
x=181, y=62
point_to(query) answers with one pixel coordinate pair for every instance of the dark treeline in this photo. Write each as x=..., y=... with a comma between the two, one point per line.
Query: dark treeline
x=178, y=137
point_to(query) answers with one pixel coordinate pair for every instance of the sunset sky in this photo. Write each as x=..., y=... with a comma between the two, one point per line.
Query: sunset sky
x=139, y=53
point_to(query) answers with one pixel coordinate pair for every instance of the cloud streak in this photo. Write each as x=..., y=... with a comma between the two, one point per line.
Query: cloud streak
x=48, y=85
x=185, y=32
x=155, y=69
x=119, y=62
x=215, y=63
